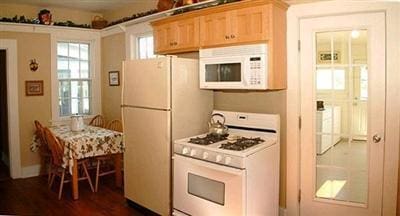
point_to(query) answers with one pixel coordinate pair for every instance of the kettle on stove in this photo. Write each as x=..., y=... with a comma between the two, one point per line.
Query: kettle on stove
x=217, y=128
x=77, y=123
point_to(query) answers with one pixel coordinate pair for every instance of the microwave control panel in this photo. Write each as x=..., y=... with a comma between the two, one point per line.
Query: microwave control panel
x=256, y=66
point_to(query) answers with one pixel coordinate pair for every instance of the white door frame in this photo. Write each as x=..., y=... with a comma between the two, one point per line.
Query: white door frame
x=392, y=127
x=13, y=112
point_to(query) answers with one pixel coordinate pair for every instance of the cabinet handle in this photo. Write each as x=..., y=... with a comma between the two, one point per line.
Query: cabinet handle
x=226, y=37
x=232, y=36
x=175, y=43
x=171, y=44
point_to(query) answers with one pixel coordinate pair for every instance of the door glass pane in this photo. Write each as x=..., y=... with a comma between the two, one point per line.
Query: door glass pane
x=208, y=189
x=341, y=116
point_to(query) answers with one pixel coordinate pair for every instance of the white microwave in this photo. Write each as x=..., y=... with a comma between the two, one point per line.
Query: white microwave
x=235, y=67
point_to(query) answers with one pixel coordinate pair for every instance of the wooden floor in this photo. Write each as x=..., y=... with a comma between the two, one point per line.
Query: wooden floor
x=32, y=197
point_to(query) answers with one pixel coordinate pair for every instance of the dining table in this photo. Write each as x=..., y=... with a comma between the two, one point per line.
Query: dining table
x=89, y=143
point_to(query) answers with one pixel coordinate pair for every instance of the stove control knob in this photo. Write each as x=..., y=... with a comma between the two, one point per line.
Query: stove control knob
x=228, y=160
x=218, y=158
x=185, y=150
x=205, y=155
x=193, y=152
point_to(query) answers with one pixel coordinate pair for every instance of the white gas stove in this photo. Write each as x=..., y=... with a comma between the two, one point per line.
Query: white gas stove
x=237, y=174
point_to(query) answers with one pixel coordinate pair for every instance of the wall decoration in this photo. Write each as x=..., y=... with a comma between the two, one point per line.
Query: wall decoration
x=34, y=88
x=33, y=65
x=44, y=17
x=325, y=57
x=113, y=78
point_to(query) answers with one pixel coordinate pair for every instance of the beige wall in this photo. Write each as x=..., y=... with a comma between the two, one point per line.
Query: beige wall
x=129, y=9
x=271, y=102
x=112, y=55
x=58, y=14
x=29, y=46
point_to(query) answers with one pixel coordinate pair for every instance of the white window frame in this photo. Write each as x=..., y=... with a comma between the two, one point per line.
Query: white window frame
x=94, y=41
x=132, y=35
x=144, y=35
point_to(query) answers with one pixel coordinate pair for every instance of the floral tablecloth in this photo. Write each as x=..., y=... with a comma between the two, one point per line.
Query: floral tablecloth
x=93, y=141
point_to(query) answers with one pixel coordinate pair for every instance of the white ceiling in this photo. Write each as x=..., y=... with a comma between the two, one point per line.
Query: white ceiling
x=87, y=5
x=99, y=5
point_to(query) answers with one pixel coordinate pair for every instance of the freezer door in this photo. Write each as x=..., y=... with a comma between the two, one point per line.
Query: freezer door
x=146, y=83
x=147, y=158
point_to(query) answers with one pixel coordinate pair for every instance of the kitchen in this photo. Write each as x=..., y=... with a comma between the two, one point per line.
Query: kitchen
x=240, y=101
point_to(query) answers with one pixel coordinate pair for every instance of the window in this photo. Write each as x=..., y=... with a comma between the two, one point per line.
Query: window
x=325, y=82
x=145, y=47
x=74, y=78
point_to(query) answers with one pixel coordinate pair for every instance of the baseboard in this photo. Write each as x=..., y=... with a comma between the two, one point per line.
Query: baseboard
x=282, y=211
x=5, y=159
x=30, y=171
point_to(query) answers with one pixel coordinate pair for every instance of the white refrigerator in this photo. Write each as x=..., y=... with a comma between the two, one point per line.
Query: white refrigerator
x=161, y=102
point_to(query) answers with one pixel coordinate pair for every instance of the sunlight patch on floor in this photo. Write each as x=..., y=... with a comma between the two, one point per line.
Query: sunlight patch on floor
x=330, y=188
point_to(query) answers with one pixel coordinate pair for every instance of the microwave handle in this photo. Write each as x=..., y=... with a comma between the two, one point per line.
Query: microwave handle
x=209, y=165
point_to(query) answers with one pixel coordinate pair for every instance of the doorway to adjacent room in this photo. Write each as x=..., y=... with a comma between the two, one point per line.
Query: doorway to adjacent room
x=4, y=148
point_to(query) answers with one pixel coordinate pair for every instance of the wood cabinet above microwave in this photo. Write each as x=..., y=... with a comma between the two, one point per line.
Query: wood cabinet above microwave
x=247, y=25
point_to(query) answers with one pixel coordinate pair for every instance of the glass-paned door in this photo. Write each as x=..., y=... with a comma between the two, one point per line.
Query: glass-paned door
x=342, y=110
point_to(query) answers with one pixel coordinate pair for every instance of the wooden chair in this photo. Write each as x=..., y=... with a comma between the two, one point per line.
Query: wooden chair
x=57, y=151
x=45, y=153
x=98, y=121
x=114, y=125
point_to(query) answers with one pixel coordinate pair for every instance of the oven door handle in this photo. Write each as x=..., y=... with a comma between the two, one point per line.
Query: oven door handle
x=210, y=165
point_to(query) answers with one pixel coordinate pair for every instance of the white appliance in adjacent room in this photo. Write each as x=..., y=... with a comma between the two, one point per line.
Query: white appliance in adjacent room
x=161, y=102
x=236, y=176
x=234, y=67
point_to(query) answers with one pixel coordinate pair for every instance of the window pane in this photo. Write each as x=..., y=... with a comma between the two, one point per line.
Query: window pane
x=64, y=89
x=75, y=106
x=62, y=49
x=65, y=106
x=74, y=67
x=85, y=89
x=86, y=106
x=146, y=47
x=75, y=89
x=84, y=69
x=74, y=50
x=84, y=51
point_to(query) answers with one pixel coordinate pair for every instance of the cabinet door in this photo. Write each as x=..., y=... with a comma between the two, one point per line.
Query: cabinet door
x=250, y=24
x=164, y=35
x=187, y=34
x=215, y=29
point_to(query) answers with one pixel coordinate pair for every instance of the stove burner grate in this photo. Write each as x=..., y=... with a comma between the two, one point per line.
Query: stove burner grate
x=208, y=139
x=241, y=143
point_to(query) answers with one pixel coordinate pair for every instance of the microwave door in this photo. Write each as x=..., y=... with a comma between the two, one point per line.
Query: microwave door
x=222, y=73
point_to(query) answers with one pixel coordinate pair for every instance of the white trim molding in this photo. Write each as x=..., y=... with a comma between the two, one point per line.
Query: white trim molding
x=392, y=125
x=13, y=111
x=31, y=171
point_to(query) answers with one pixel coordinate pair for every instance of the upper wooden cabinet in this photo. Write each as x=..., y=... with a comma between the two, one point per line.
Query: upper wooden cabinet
x=177, y=36
x=247, y=25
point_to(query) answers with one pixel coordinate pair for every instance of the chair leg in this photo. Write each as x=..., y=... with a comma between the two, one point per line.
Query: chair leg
x=61, y=184
x=87, y=176
x=97, y=174
x=52, y=176
x=49, y=171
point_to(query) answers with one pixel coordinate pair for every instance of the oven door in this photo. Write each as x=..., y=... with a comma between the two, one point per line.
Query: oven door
x=222, y=73
x=204, y=188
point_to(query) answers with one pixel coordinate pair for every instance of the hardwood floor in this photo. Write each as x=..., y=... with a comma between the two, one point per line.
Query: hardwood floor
x=32, y=197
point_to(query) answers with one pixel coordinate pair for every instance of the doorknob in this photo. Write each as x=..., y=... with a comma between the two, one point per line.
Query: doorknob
x=376, y=138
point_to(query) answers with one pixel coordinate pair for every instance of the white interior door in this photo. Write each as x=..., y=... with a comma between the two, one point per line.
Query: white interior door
x=343, y=67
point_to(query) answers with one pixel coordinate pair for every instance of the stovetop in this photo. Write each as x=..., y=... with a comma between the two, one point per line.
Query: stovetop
x=241, y=143
x=208, y=139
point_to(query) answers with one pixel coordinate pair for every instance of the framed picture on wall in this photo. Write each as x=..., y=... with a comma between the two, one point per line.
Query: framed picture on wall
x=113, y=78
x=34, y=88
